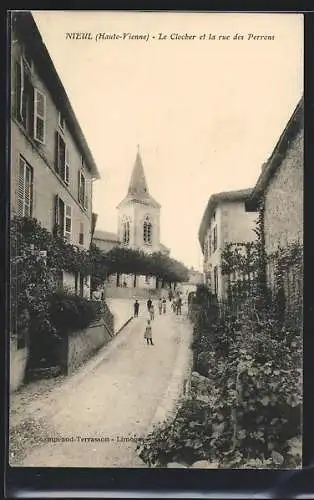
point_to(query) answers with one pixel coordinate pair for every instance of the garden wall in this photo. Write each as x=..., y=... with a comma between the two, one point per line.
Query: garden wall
x=18, y=360
x=82, y=345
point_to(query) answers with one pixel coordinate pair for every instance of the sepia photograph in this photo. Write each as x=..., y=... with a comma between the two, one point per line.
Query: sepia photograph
x=156, y=239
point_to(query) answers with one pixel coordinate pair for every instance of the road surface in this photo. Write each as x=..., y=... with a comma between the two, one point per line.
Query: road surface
x=96, y=417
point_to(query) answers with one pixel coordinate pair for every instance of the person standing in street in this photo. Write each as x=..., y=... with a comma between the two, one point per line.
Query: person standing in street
x=152, y=312
x=179, y=305
x=174, y=305
x=160, y=306
x=164, y=305
x=149, y=304
x=136, y=308
x=148, y=335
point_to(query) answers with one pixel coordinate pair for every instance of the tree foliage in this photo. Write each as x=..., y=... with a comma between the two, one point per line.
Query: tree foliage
x=129, y=261
x=34, y=279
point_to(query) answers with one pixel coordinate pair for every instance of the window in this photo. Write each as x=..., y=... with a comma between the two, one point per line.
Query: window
x=24, y=97
x=27, y=58
x=126, y=232
x=82, y=191
x=61, y=122
x=81, y=235
x=215, y=239
x=25, y=189
x=39, y=116
x=147, y=280
x=68, y=222
x=30, y=103
x=63, y=218
x=62, y=158
x=216, y=280
x=67, y=166
x=209, y=244
x=147, y=231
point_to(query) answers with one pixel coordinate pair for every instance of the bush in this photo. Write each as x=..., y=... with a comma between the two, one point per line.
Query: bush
x=70, y=313
x=254, y=403
x=185, y=440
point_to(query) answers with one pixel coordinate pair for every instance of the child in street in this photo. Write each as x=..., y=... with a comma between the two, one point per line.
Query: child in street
x=160, y=306
x=148, y=335
x=164, y=305
x=136, y=308
x=152, y=312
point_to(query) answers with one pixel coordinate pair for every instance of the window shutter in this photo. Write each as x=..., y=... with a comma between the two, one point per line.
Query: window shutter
x=62, y=156
x=28, y=191
x=56, y=212
x=79, y=186
x=21, y=189
x=39, y=116
x=57, y=168
x=22, y=88
x=67, y=222
x=61, y=121
x=17, y=90
x=67, y=166
x=83, y=188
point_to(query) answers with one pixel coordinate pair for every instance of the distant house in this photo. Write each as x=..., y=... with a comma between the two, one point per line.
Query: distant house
x=195, y=278
x=52, y=168
x=279, y=195
x=105, y=240
x=224, y=221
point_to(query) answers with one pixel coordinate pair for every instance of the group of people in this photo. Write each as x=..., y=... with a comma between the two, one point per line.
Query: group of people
x=162, y=307
x=176, y=304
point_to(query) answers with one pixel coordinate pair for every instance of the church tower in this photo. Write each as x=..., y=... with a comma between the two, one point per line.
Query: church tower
x=139, y=214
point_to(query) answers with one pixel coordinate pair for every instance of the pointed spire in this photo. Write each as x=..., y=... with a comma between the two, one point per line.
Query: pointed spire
x=138, y=184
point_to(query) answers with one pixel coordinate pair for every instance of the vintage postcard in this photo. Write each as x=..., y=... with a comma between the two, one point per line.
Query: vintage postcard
x=156, y=239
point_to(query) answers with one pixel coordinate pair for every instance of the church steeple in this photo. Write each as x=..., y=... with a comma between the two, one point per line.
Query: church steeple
x=138, y=190
x=138, y=184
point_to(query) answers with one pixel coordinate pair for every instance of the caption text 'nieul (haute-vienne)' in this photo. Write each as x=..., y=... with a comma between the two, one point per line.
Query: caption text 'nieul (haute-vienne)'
x=103, y=36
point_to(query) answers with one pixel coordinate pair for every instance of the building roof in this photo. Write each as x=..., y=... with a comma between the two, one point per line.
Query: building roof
x=25, y=26
x=269, y=168
x=105, y=236
x=138, y=188
x=215, y=200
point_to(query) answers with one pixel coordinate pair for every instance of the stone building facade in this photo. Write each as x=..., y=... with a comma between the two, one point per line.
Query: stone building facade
x=224, y=221
x=279, y=193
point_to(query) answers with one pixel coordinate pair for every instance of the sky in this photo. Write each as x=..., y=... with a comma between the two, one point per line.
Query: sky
x=206, y=113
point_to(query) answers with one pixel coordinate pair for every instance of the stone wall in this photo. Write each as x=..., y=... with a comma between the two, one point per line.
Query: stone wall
x=82, y=345
x=113, y=292
x=18, y=360
x=283, y=225
x=283, y=217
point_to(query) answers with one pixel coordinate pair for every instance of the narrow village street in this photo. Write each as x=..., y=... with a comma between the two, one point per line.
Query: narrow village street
x=117, y=397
